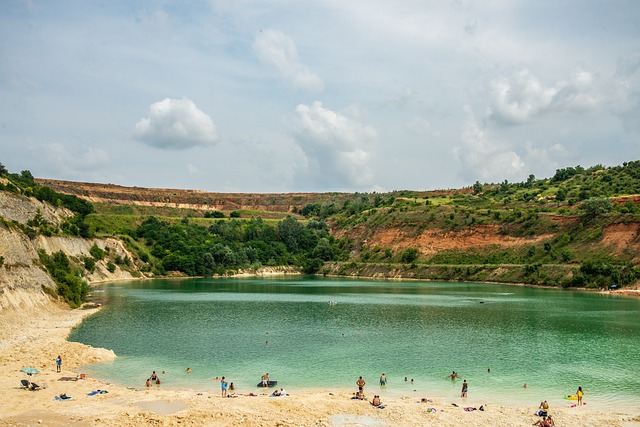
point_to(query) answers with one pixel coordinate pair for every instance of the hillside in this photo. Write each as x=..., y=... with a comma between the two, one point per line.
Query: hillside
x=23, y=280
x=550, y=231
x=579, y=228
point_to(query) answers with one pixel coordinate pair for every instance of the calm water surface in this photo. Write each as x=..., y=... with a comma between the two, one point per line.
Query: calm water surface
x=552, y=340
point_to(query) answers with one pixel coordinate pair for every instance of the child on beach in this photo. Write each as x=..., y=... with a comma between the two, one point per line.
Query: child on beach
x=224, y=385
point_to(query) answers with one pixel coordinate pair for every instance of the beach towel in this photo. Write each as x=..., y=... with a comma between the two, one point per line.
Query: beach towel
x=62, y=397
x=469, y=408
x=93, y=393
x=68, y=379
x=431, y=410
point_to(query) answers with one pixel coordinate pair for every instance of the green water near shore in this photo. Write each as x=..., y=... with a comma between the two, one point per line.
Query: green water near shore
x=552, y=340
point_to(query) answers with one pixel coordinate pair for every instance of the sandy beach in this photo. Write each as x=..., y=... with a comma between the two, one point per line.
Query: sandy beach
x=34, y=336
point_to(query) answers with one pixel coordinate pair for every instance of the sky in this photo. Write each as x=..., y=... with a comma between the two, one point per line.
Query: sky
x=286, y=96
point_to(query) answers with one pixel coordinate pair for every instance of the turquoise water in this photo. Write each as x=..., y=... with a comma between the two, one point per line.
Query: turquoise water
x=552, y=340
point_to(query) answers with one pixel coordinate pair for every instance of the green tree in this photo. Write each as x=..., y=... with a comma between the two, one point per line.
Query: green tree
x=595, y=207
x=477, y=188
x=96, y=252
x=409, y=255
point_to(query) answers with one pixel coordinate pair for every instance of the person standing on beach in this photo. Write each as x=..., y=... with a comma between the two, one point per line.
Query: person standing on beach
x=579, y=393
x=465, y=387
x=360, y=383
x=58, y=364
x=224, y=385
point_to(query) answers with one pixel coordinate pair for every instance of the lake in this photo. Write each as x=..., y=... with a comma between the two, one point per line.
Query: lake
x=322, y=333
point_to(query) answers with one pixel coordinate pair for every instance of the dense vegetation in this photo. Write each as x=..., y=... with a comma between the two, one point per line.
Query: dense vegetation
x=203, y=251
x=67, y=277
x=562, y=218
x=25, y=184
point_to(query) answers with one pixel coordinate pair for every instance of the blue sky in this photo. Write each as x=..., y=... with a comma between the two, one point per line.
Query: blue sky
x=332, y=95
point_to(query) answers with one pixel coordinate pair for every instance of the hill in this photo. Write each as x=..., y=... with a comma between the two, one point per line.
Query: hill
x=579, y=228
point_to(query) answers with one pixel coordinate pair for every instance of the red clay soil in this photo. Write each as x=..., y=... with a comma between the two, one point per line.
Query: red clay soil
x=623, y=237
x=433, y=241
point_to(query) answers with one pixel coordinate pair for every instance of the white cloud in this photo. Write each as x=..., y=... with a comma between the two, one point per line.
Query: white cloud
x=334, y=148
x=523, y=98
x=624, y=93
x=275, y=48
x=483, y=158
x=176, y=124
x=74, y=161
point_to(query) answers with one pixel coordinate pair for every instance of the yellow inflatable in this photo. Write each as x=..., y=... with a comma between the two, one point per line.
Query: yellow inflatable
x=572, y=397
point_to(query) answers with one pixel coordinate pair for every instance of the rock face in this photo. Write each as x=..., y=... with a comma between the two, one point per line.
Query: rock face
x=23, y=279
x=18, y=208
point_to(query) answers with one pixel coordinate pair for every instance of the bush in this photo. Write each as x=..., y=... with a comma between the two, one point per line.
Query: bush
x=89, y=264
x=409, y=255
x=70, y=285
x=96, y=252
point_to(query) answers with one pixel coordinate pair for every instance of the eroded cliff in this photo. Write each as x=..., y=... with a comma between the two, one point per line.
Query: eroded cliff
x=23, y=279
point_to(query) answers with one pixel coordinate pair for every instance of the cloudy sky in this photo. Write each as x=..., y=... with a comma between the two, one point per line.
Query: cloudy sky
x=317, y=95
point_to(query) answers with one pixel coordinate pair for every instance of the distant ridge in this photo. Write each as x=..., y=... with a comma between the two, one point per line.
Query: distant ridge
x=203, y=200
x=193, y=199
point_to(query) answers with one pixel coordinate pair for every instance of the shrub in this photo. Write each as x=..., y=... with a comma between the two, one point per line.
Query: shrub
x=96, y=252
x=409, y=255
x=89, y=264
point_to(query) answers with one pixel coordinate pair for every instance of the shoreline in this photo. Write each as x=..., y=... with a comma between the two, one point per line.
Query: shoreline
x=34, y=336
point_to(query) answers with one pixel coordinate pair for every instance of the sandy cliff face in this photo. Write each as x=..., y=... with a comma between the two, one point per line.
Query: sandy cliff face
x=14, y=207
x=21, y=277
x=23, y=280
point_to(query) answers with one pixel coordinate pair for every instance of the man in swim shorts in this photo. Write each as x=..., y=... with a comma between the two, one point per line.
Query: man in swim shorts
x=360, y=383
x=383, y=379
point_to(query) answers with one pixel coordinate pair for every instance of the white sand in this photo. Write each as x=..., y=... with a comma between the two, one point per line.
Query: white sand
x=35, y=336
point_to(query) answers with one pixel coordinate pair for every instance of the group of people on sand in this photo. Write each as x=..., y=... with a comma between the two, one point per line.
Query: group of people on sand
x=543, y=411
x=360, y=393
x=278, y=393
